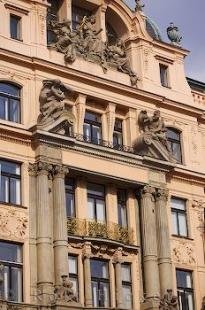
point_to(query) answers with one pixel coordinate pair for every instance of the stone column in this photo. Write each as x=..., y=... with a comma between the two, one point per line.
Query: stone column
x=60, y=236
x=149, y=243
x=87, y=275
x=44, y=234
x=163, y=239
x=118, y=278
x=32, y=231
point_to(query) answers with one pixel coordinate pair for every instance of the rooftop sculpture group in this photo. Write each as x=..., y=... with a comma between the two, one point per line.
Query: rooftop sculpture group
x=85, y=41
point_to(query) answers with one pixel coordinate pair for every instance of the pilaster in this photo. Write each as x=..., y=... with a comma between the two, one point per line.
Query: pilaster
x=110, y=113
x=87, y=274
x=80, y=107
x=163, y=240
x=149, y=242
x=59, y=223
x=118, y=277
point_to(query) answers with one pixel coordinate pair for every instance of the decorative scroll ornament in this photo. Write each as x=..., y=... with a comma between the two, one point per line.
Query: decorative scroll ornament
x=183, y=253
x=13, y=224
x=169, y=301
x=139, y=6
x=84, y=42
x=153, y=141
x=54, y=111
x=174, y=35
x=64, y=293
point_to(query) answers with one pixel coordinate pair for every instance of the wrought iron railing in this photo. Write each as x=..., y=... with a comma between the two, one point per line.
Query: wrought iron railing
x=94, y=229
x=107, y=144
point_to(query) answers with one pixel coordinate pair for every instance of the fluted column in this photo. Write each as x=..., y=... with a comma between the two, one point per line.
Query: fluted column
x=149, y=242
x=44, y=233
x=59, y=224
x=87, y=275
x=163, y=239
x=118, y=277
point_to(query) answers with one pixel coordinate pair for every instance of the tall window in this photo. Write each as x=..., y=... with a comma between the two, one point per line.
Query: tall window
x=185, y=289
x=179, y=217
x=117, y=134
x=126, y=286
x=96, y=202
x=10, y=102
x=70, y=197
x=10, y=182
x=100, y=283
x=164, y=75
x=77, y=15
x=73, y=273
x=15, y=27
x=122, y=207
x=11, y=271
x=174, y=140
x=52, y=15
x=92, y=128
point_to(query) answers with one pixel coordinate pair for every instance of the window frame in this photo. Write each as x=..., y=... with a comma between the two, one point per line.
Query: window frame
x=14, y=176
x=186, y=289
x=95, y=197
x=74, y=9
x=172, y=141
x=72, y=192
x=120, y=206
x=118, y=131
x=177, y=212
x=12, y=97
x=92, y=124
x=19, y=26
x=74, y=276
x=128, y=284
x=164, y=75
x=10, y=265
x=101, y=280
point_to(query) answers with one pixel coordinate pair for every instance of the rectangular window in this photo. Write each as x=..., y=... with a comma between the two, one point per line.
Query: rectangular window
x=100, y=283
x=73, y=273
x=122, y=207
x=164, y=75
x=117, y=134
x=92, y=128
x=70, y=197
x=11, y=271
x=179, y=217
x=10, y=182
x=126, y=286
x=15, y=27
x=77, y=16
x=96, y=202
x=185, y=289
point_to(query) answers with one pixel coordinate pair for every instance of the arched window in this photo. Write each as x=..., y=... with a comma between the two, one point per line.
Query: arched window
x=174, y=140
x=10, y=105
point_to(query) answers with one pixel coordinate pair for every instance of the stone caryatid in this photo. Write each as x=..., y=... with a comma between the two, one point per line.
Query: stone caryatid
x=153, y=133
x=85, y=42
x=116, y=56
x=169, y=301
x=53, y=106
x=64, y=293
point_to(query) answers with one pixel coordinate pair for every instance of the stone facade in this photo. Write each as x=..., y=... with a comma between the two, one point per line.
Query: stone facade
x=95, y=112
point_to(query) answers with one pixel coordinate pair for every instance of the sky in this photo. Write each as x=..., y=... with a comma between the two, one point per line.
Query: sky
x=188, y=15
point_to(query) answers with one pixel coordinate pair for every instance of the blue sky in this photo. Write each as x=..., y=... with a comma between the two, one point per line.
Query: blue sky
x=188, y=15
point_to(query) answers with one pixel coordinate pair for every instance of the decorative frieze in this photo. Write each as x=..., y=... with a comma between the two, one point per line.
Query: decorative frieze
x=183, y=253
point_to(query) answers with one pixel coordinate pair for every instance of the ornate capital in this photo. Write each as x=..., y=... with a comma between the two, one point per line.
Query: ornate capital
x=87, y=251
x=43, y=168
x=117, y=257
x=147, y=191
x=32, y=169
x=162, y=194
x=59, y=171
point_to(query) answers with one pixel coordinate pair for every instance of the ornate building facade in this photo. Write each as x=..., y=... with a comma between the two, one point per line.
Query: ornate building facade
x=102, y=179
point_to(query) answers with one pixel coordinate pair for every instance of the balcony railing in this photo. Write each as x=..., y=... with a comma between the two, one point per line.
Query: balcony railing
x=93, y=229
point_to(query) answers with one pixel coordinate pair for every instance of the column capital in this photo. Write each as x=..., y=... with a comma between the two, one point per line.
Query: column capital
x=59, y=171
x=87, y=251
x=148, y=190
x=39, y=167
x=117, y=257
x=32, y=169
x=162, y=194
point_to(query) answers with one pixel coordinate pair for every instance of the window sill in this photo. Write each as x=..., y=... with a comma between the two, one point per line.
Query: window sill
x=183, y=237
x=166, y=86
x=18, y=40
x=13, y=205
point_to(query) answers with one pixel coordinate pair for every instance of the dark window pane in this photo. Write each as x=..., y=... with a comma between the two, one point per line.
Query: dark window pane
x=10, y=252
x=77, y=15
x=173, y=134
x=9, y=167
x=15, y=191
x=96, y=189
x=14, y=112
x=16, y=284
x=15, y=27
x=4, y=188
x=93, y=117
x=99, y=269
x=164, y=75
x=9, y=89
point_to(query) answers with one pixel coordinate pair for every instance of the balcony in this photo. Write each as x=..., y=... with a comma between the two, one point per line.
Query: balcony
x=93, y=229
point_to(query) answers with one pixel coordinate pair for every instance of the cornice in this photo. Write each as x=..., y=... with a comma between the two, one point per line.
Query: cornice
x=15, y=135
x=99, y=82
